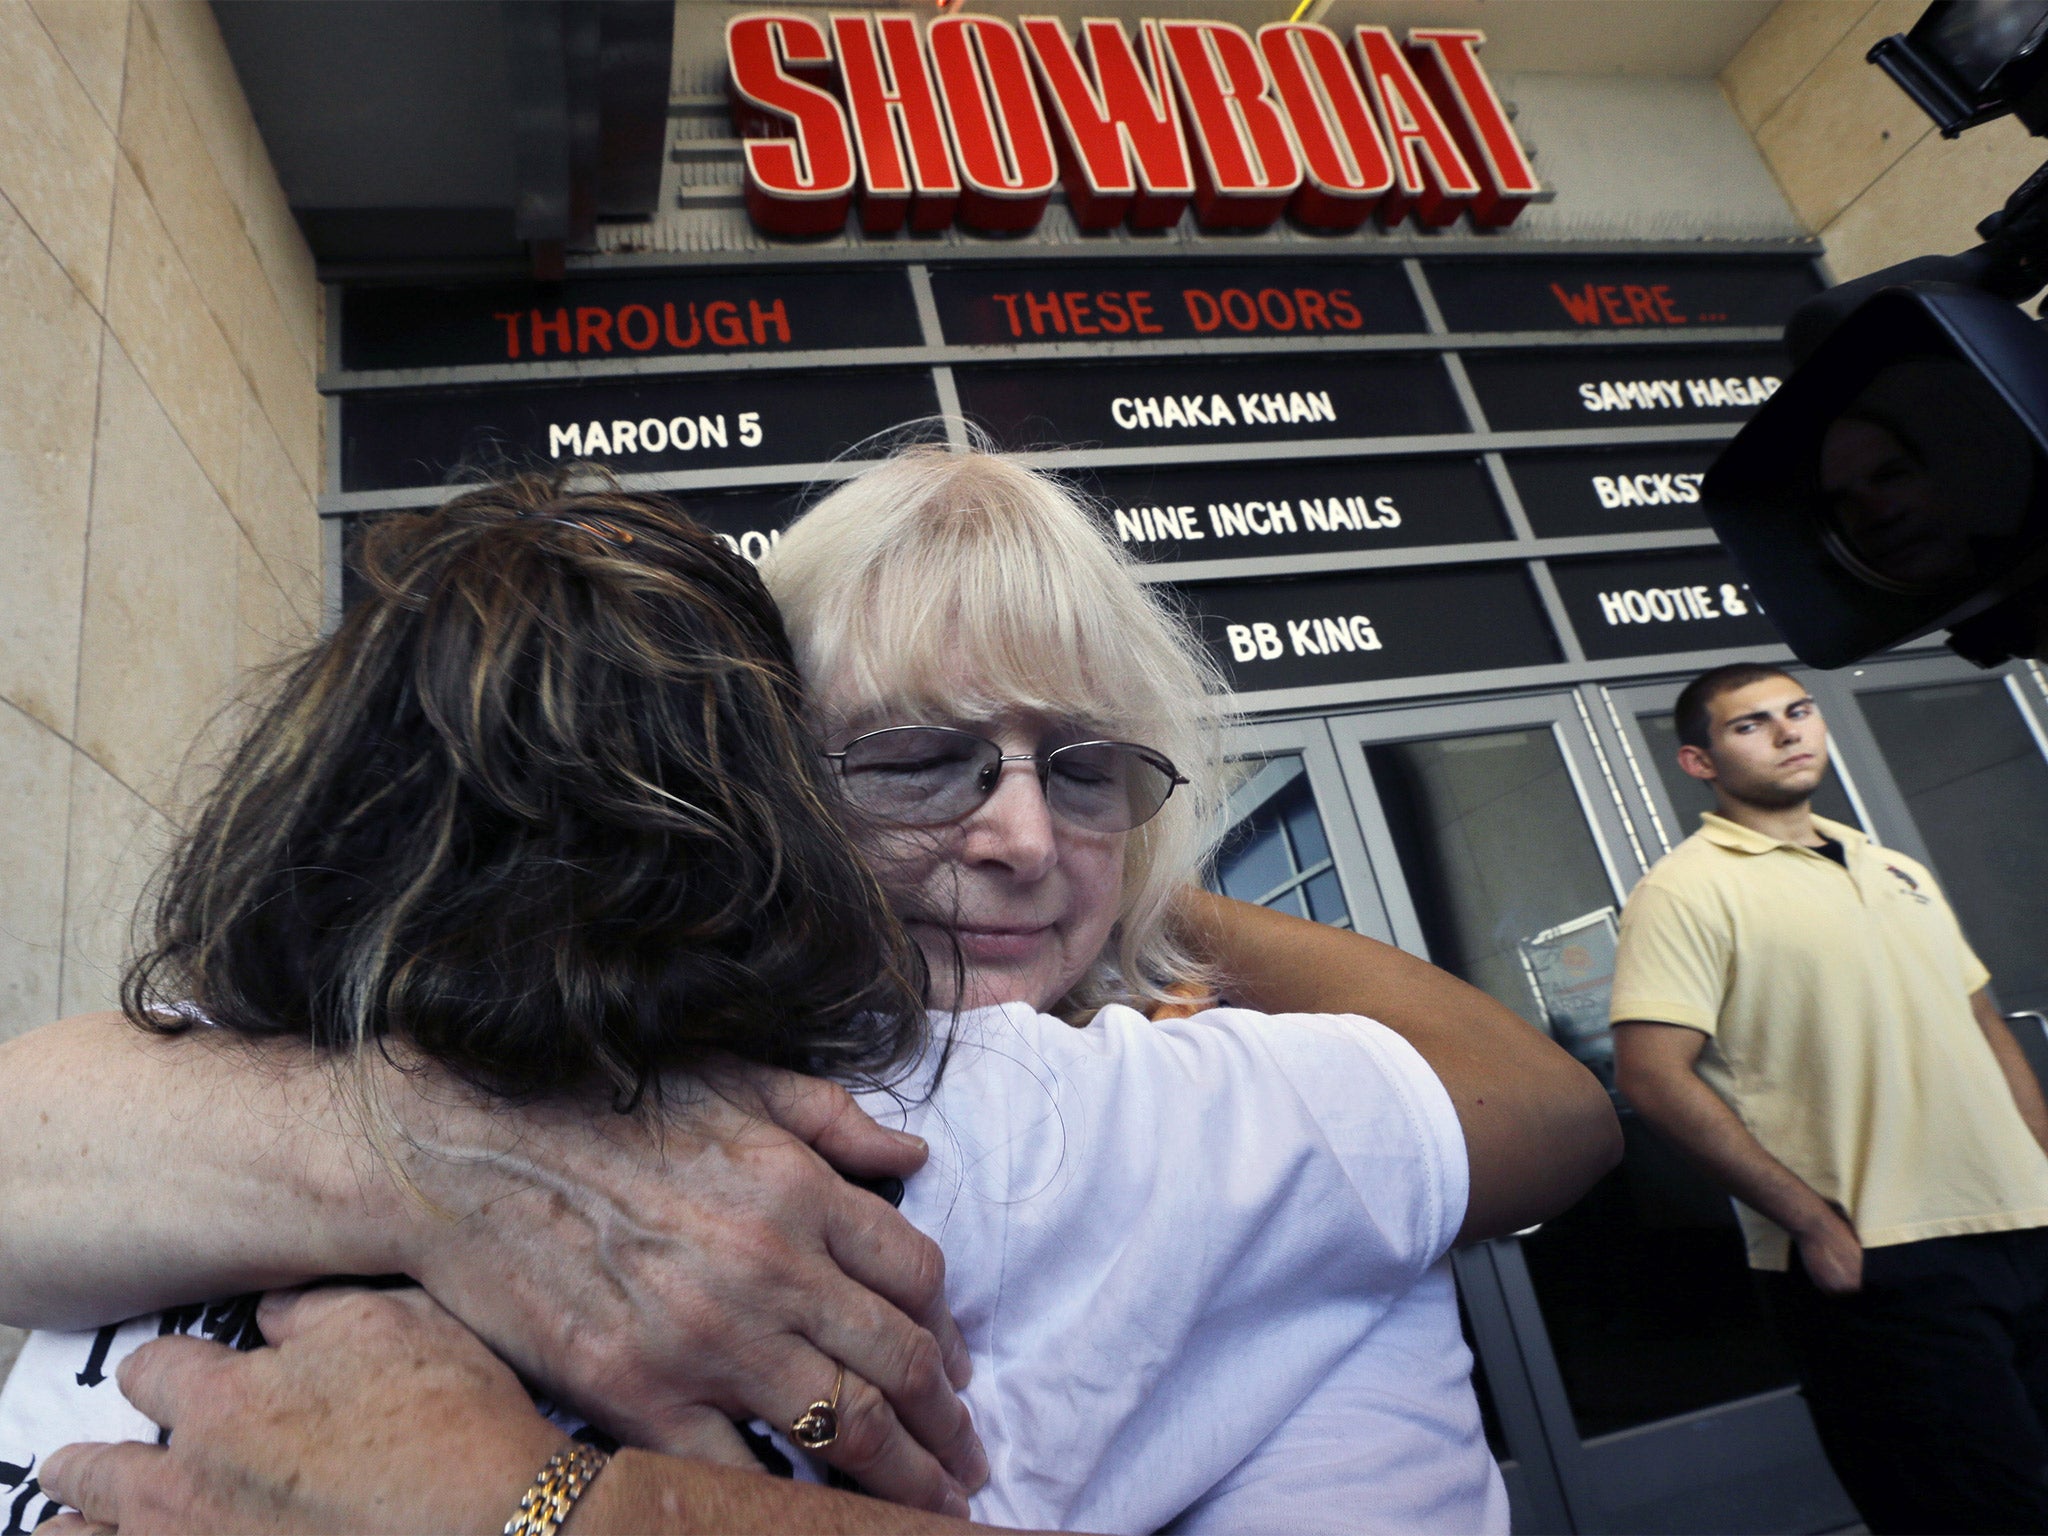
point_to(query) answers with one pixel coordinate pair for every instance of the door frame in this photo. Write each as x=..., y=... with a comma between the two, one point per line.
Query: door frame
x=1553, y=1486
x=1506, y=1329
x=1558, y=713
x=1310, y=741
x=1840, y=694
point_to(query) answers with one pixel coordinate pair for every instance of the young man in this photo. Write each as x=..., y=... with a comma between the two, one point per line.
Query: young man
x=1797, y=1009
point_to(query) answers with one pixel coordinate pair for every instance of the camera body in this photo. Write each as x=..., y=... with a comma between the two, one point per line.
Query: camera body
x=1898, y=483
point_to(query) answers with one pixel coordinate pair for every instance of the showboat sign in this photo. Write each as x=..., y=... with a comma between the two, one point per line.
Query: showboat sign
x=972, y=120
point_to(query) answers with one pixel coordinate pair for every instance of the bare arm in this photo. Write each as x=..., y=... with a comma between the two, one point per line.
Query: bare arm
x=661, y=1277
x=2012, y=1061
x=642, y=1493
x=146, y=1171
x=377, y=1411
x=1538, y=1127
x=1654, y=1066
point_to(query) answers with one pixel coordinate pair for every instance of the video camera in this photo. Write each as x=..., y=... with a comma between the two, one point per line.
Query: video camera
x=1898, y=483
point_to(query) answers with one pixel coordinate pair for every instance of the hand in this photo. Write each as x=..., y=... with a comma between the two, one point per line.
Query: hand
x=1832, y=1253
x=665, y=1278
x=374, y=1411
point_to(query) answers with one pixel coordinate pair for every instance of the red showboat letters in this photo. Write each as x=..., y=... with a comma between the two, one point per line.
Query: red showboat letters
x=974, y=120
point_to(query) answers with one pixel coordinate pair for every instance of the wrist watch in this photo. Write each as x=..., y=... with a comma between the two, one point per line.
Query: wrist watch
x=546, y=1504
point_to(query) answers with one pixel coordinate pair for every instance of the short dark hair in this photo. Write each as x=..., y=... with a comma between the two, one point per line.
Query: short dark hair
x=545, y=809
x=1693, y=714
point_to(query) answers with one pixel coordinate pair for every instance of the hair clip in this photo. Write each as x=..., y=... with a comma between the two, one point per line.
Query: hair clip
x=610, y=532
x=596, y=527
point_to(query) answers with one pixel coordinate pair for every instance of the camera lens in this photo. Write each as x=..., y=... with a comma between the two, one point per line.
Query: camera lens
x=1923, y=477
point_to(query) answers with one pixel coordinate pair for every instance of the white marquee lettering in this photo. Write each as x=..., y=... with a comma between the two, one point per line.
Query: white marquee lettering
x=1331, y=635
x=1665, y=605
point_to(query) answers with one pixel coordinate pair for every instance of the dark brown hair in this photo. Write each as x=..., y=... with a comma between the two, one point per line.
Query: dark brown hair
x=1693, y=713
x=545, y=808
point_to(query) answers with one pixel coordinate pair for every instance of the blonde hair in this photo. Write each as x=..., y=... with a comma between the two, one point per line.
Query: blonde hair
x=966, y=585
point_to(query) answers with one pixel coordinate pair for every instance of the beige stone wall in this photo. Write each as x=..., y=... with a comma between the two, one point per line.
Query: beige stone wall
x=1861, y=165
x=160, y=448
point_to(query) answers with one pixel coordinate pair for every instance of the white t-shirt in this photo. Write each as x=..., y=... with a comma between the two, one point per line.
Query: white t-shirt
x=1199, y=1263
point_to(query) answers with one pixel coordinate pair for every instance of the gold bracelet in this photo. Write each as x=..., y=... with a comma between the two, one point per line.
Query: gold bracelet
x=545, y=1506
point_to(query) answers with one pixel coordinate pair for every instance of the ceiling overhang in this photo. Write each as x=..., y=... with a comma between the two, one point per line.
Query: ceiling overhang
x=417, y=131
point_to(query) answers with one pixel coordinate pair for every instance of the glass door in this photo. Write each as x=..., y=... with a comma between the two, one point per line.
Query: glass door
x=1503, y=845
x=1962, y=782
x=1294, y=844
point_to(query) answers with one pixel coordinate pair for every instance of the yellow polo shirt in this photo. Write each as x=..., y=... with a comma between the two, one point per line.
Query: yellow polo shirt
x=1836, y=1003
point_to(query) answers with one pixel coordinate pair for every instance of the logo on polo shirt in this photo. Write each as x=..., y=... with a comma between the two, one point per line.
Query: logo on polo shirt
x=1912, y=886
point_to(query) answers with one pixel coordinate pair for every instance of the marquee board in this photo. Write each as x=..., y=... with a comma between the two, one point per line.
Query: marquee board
x=1530, y=391
x=1261, y=435
x=1617, y=297
x=687, y=422
x=1645, y=605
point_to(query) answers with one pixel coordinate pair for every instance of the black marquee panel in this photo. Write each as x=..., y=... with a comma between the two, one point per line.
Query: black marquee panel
x=750, y=522
x=1181, y=300
x=689, y=421
x=1599, y=387
x=1622, y=297
x=1297, y=507
x=1365, y=628
x=730, y=314
x=1240, y=400
x=1660, y=603
x=1609, y=490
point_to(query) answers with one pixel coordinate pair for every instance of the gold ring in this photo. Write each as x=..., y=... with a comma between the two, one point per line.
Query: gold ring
x=818, y=1425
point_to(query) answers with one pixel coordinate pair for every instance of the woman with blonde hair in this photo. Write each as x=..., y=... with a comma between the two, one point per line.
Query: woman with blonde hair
x=946, y=585
x=1198, y=1263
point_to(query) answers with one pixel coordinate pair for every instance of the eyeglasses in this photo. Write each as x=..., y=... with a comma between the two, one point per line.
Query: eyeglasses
x=928, y=775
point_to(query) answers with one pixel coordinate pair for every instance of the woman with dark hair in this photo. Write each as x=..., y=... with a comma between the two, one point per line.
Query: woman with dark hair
x=542, y=825
x=543, y=811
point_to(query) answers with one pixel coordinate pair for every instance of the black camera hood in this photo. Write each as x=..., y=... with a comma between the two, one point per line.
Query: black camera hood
x=1761, y=494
